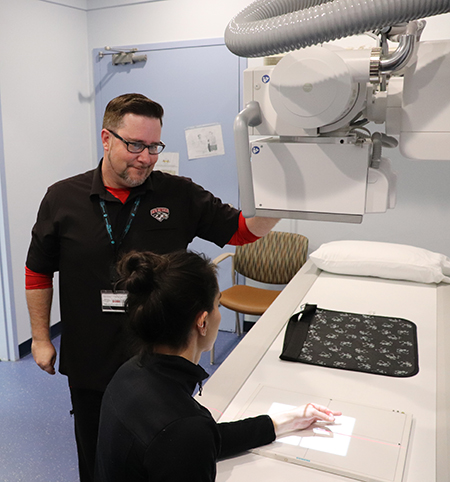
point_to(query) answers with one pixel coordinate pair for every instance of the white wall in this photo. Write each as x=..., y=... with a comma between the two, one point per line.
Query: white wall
x=160, y=21
x=45, y=89
x=47, y=109
x=47, y=93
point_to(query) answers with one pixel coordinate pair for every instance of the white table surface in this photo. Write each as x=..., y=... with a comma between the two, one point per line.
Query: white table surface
x=256, y=361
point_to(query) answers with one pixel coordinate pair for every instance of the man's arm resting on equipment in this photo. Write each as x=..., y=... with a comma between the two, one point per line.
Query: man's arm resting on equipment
x=261, y=226
x=245, y=235
x=39, y=303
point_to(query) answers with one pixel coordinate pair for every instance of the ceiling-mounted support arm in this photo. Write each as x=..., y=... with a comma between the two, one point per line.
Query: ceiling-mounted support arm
x=250, y=116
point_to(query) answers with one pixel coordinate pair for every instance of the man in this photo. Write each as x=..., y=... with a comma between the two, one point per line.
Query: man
x=85, y=223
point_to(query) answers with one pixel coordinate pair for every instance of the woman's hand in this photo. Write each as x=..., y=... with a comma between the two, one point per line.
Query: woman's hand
x=301, y=418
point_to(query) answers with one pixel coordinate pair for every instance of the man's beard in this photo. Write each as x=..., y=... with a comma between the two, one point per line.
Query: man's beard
x=128, y=180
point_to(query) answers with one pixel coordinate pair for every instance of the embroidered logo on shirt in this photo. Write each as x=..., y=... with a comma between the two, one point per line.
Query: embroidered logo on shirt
x=160, y=214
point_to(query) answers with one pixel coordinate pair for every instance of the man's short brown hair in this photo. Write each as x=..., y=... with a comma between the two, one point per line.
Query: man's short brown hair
x=137, y=104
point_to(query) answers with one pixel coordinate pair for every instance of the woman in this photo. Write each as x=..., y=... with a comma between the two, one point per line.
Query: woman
x=151, y=429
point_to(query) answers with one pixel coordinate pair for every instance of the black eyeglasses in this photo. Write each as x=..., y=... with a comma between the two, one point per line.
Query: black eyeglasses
x=137, y=147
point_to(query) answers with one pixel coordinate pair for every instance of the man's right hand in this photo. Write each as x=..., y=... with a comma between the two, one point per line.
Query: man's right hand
x=44, y=354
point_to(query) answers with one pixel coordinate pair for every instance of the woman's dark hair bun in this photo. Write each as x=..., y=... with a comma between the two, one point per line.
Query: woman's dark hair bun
x=139, y=272
x=165, y=294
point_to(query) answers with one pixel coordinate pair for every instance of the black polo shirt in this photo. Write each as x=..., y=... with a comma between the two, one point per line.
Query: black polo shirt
x=70, y=236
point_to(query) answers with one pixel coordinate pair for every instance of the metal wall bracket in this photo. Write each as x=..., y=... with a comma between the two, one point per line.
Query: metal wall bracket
x=122, y=57
x=128, y=58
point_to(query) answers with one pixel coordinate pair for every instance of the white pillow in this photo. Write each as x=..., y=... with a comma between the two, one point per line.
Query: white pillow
x=383, y=260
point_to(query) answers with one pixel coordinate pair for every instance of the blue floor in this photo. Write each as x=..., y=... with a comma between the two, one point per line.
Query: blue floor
x=37, y=443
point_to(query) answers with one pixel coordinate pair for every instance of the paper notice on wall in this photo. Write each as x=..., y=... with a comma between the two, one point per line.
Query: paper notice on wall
x=169, y=162
x=204, y=141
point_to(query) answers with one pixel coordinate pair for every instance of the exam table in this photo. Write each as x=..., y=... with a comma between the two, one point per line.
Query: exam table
x=426, y=395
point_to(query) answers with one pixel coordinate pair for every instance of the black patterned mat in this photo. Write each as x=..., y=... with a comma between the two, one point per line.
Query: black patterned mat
x=350, y=341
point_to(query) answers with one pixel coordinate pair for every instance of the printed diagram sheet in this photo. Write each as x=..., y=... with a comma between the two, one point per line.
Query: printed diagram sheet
x=352, y=446
x=204, y=141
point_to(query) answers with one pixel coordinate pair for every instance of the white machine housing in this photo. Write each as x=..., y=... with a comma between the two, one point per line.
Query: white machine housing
x=309, y=160
x=425, y=116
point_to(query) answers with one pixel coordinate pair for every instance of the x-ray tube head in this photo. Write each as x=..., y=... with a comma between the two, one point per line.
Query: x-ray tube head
x=317, y=156
x=313, y=87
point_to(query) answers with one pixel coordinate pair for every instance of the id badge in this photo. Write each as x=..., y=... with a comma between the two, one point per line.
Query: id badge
x=114, y=301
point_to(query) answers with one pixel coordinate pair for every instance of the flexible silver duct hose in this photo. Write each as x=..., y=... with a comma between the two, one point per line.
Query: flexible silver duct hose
x=268, y=27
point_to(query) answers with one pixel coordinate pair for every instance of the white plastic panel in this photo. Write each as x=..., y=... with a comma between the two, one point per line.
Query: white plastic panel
x=314, y=178
x=352, y=446
x=426, y=104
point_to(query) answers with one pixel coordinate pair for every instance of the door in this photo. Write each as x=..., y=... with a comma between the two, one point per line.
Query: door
x=199, y=84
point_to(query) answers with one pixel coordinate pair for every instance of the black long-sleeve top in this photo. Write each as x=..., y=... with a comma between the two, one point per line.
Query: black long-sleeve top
x=151, y=429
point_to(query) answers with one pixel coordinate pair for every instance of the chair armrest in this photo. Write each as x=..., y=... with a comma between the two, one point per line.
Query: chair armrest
x=221, y=257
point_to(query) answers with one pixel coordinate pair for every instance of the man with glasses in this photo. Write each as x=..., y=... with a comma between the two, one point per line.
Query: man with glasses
x=84, y=224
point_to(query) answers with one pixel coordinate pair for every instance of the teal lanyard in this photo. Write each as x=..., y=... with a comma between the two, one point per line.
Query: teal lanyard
x=115, y=245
